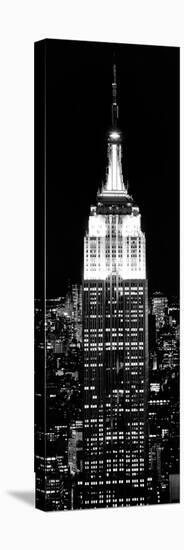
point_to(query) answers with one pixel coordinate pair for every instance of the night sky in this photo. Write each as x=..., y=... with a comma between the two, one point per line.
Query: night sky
x=78, y=114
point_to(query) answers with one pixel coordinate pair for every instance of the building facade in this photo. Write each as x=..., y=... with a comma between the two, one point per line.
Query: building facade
x=58, y=438
x=164, y=422
x=115, y=341
x=159, y=309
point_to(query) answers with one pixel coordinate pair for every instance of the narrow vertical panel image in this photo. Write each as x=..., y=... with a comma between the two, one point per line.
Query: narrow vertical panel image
x=106, y=275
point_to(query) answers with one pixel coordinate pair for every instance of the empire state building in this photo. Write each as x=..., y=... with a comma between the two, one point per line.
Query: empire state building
x=115, y=339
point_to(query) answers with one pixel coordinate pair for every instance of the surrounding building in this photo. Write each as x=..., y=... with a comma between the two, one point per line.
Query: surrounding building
x=159, y=308
x=115, y=334
x=55, y=479
x=163, y=408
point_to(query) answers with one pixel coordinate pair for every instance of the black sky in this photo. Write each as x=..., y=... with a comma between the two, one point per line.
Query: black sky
x=78, y=114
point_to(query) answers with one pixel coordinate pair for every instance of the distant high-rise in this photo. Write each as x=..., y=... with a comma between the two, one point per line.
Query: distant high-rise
x=163, y=415
x=58, y=476
x=115, y=337
x=159, y=309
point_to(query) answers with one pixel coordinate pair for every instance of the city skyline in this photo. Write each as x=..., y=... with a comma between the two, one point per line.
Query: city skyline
x=76, y=150
x=65, y=425
x=107, y=354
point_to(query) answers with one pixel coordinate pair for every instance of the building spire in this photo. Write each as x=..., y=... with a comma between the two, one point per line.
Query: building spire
x=114, y=184
x=115, y=108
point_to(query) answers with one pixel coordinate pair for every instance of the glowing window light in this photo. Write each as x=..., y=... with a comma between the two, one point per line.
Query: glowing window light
x=114, y=135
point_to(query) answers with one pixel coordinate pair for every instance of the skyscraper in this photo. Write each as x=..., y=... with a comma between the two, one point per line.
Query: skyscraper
x=163, y=411
x=159, y=309
x=115, y=337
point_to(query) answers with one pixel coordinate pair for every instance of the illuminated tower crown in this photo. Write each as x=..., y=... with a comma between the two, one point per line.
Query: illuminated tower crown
x=114, y=242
